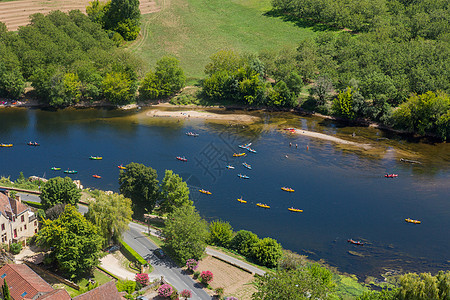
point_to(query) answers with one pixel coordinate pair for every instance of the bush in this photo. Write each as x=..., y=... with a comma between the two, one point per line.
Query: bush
x=191, y=264
x=186, y=294
x=15, y=248
x=267, y=252
x=142, y=278
x=128, y=286
x=220, y=233
x=219, y=292
x=165, y=290
x=196, y=274
x=244, y=241
x=206, y=277
x=131, y=254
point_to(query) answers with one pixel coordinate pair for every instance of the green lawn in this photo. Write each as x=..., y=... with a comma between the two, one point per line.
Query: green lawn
x=99, y=277
x=192, y=30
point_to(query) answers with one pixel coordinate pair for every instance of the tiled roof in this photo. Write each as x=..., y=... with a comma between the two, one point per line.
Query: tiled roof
x=4, y=204
x=17, y=207
x=56, y=295
x=107, y=291
x=23, y=282
x=9, y=205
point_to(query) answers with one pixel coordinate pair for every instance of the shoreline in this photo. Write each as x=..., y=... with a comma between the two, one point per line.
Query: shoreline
x=204, y=115
x=330, y=138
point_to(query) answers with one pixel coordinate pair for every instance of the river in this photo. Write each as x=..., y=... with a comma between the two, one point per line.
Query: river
x=342, y=190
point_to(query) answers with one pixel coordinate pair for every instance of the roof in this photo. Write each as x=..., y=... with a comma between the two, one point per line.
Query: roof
x=107, y=291
x=59, y=294
x=23, y=282
x=5, y=206
x=10, y=206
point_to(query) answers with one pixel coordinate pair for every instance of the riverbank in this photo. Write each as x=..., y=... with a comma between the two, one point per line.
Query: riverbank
x=204, y=115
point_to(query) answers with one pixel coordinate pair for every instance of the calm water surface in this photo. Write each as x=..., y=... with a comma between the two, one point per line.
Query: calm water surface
x=342, y=191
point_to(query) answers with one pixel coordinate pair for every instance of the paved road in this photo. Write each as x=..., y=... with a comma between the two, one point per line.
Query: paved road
x=35, y=198
x=162, y=267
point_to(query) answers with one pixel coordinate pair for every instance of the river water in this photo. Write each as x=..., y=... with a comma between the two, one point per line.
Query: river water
x=342, y=190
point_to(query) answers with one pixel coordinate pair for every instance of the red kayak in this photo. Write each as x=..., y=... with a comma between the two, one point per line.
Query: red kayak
x=355, y=242
x=182, y=158
x=391, y=175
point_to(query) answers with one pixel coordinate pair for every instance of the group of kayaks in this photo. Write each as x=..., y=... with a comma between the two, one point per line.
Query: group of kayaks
x=182, y=158
x=30, y=143
x=71, y=172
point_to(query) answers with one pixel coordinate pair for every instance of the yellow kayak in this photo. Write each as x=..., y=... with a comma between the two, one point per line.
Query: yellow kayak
x=286, y=189
x=413, y=221
x=262, y=205
x=295, y=209
x=241, y=200
x=238, y=154
x=205, y=192
x=6, y=145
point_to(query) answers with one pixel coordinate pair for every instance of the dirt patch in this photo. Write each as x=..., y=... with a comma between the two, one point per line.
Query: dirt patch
x=113, y=264
x=235, y=281
x=17, y=13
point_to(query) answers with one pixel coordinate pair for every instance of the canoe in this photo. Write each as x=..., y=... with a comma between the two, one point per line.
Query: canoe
x=122, y=167
x=95, y=157
x=239, y=154
x=295, y=209
x=243, y=176
x=413, y=221
x=33, y=144
x=182, y=158
x=55, y=168
x=230, y=167
x=192, y=134
x=205, y=192
x=247, y=165
x=251, y=150
x=286, y=189
x=70, y=172
x=262, y=205
x=391, y=175
x=6, y=145
x=97, y=176
x=241, y=200
x=355, y=242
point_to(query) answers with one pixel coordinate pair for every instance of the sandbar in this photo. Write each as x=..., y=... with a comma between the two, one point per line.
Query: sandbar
x=194, y=114
x=328, y=138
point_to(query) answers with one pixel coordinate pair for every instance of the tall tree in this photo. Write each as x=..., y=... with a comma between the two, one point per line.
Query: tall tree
x=220, y=233
x=175, y=192
x=267, y=252
x=5, y=291
x=185, y=233
x=111, y=213
x=75, y=241
x=59, y=190
x=140, y=184
x=123, y=16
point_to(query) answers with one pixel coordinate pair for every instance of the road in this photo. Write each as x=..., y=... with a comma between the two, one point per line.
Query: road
x=162, y=267
x=35, y=198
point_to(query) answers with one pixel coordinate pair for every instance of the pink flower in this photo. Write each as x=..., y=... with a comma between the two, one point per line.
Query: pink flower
x=165, y=290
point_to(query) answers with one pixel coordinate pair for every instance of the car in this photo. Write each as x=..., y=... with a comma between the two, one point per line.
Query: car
x=141, y=298
x=159, y=253
x=112, y=248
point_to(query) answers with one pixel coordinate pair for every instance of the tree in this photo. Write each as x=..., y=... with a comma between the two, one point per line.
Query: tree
x=322, y=88
x=140, y=184
x=289, y=285
x=291, y=260
x=185, y=233
x=5, y=291
x=206, y=277
x=267, y=252
x=224, y=61
x=59, y=190
x=175, y=192
x=244, y=241
x=170, y=74
x=118, y=88
x=220, y=233
x=111, y=213
x=343, y=104
x=123, y=16
x=75, y=241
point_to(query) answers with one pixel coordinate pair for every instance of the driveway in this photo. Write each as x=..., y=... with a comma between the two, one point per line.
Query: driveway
x=112, y=265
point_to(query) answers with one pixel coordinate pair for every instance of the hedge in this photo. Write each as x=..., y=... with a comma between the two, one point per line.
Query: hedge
x=37, y=205
x=131, y=254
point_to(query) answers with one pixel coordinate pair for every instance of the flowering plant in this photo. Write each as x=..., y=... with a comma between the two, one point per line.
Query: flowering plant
x=186, y=294
x=191, y=264
x=165, y=290
x=206, y=277
x=142, y=278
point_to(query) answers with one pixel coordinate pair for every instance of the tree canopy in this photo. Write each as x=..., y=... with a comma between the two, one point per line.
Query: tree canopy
x=59, y=190
x=75, y=242
x=174, y=192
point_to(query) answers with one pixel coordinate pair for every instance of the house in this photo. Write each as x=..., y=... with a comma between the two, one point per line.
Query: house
x=107, y=291
x=17, y=221
x=24, y=283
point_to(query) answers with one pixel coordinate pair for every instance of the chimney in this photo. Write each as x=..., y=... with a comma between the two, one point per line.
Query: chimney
x=7, y=193
x=18, y=198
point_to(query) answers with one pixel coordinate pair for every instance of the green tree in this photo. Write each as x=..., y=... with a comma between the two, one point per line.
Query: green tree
x=267, y=252
x=111, y=213
x=244, y=241
x=140, y=184
x=224, y=61
x=185, y=233
x=118, y=88
x=59, y=190
x=418, y=287
x=175, y=192
x=220, y=233
x=322, y=88
x=343, y=104
x=382, y=295
x=75, y=241
x=289, y=285
x=96, y=11
x=123, y=16
x=291, y=260
x=5, y=291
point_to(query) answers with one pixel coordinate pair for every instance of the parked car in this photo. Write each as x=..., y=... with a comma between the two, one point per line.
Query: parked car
x=112, y=248
x=159, y=253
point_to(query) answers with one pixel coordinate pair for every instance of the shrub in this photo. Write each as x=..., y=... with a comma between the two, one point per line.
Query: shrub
x=131, y=254
x=267, y=252
x=220, y=233
x=126, y=286
x=15, y=248
x=206, y=277
x=142, y=278
x=196, y=274
x=186, y=294
x=244, y=241
x=165, y=290
x=191, y=264
x=219, y=292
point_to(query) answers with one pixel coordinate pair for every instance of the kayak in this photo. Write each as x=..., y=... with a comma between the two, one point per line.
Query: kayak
x=239, y=154
x=355, y=242
x=262, y=205
x=33, y=144
x=251, y=150
x=413, y=221
x=192, y=134
x=55, y=168
x=182, y=158
x=243, y=176
x=97, y=176
x=205, y=192
x=247, y=165
x=286, y=189
x=6, y=145
x=295, y=209
x=391, y=175
x=230, y=167
x=70, y=172
x=122, y=167
x=241, y=200
x=95, y=157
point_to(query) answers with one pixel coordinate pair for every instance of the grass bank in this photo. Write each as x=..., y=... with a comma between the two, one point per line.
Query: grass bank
x=192, y=30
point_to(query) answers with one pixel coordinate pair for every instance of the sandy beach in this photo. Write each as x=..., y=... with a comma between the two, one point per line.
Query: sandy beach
x=328, y=138
x=194, y=114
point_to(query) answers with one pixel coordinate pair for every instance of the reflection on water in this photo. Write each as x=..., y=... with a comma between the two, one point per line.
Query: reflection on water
x=341, y=188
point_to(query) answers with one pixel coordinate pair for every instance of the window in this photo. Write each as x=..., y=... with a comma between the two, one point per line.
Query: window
x=25, y=227
x=22, y=218
x=3, y=276
x=35, y=223
x=35, y=231
x=3, y=226
x=23, y=294
x=15, y=233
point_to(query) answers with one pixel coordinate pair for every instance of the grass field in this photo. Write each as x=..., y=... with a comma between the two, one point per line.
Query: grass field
x=192, y=30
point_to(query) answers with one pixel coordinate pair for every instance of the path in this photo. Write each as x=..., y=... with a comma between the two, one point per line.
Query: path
x=112, y=265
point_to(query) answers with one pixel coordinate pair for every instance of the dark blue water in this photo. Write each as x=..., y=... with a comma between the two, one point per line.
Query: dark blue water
x=342, y=191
